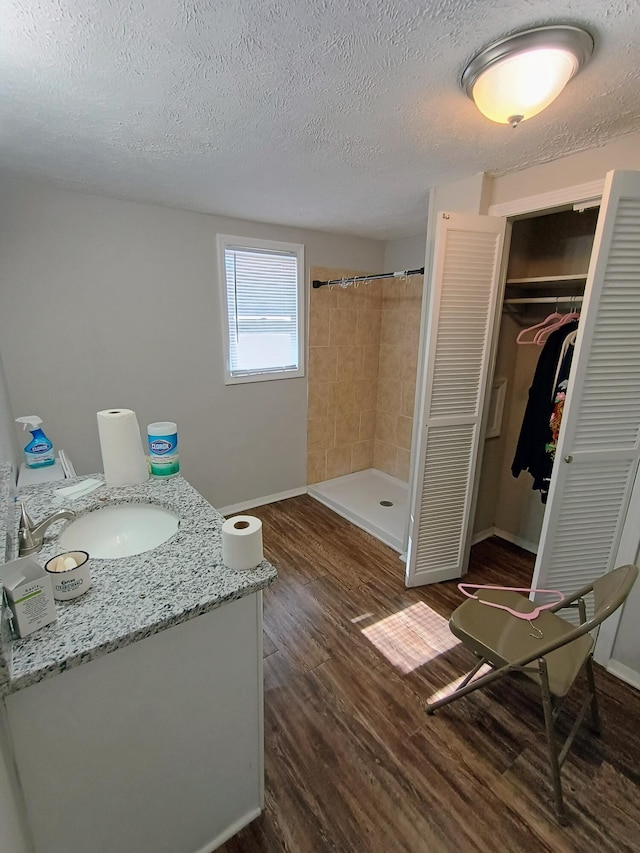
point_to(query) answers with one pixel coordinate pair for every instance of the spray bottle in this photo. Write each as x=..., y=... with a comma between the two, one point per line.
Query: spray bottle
x=39, y=451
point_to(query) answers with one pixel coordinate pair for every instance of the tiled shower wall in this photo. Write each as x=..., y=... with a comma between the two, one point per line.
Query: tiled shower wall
x=398, y=360
x=363, y=348
x=344, y=341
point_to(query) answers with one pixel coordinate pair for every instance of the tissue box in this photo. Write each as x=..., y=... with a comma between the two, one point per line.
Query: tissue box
x=29, y=594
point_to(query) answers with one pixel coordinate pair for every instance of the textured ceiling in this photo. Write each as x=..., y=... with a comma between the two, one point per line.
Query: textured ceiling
x=329, y=114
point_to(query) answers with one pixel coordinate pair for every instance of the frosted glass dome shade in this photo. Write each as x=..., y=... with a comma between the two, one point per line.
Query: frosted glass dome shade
x=523, y=84
x=516, y=77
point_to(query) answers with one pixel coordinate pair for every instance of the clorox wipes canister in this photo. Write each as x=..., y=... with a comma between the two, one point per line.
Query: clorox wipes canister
x=163, y=449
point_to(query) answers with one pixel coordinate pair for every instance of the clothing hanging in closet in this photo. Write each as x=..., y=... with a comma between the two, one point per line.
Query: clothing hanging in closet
x=533, y=452
x=560, y=394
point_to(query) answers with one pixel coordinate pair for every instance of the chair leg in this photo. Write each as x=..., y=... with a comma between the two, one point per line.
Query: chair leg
x=551, y=744
x=470, y=675
x=595, y=712
x=465, y=688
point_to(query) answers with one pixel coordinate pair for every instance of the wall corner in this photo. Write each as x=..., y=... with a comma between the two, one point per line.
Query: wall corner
x=486, y=191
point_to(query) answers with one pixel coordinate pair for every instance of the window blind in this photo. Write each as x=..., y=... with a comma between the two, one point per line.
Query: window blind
x=262, y=306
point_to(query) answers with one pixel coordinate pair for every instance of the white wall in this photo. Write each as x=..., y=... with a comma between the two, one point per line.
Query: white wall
x=493, y=459
x=519, y=510
x=585, y=166
x=8, y=442
x=110, y=303
x=406, y=253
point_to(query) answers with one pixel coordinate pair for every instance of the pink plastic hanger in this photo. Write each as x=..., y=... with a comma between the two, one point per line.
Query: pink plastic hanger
x=538, y=326
x=541, y=336
x=463, y=587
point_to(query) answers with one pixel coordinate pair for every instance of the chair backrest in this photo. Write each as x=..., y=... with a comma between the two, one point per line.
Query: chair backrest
x=610, y=592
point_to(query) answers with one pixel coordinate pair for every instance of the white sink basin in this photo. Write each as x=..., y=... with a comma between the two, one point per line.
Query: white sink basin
x=120, y=531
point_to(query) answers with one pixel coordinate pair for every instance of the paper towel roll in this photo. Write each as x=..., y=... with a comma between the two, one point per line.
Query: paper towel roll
x=242, y=542
x=123, y=458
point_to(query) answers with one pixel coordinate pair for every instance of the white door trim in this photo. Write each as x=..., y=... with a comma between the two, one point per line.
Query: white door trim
x=553, y=198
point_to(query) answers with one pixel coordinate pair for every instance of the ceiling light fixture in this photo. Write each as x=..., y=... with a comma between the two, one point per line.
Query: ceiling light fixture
x=517, y=77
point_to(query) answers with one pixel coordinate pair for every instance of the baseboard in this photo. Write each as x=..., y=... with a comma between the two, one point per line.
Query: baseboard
x=516, y=540
x=481, y=535
x=267, y=499
x=625, y=673
x=228, y=833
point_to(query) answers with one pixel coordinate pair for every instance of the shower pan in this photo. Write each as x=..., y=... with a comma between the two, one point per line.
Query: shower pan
x=370, y=499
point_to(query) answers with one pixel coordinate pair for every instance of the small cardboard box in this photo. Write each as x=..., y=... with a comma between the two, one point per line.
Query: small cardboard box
x=29, y=594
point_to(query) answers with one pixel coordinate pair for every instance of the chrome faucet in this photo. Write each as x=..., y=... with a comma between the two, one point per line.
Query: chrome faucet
x=30, y=535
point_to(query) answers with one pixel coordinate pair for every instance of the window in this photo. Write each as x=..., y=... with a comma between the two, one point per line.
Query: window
x=262, y=308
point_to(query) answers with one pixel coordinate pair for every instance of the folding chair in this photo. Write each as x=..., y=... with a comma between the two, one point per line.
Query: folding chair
x=550, y=651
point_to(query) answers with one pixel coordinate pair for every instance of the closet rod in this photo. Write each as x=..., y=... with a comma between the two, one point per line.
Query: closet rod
x=539, y=300
x=343, y=282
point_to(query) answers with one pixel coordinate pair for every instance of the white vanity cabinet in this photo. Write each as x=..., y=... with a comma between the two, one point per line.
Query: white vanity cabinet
x=134, y=723
x=155, y=747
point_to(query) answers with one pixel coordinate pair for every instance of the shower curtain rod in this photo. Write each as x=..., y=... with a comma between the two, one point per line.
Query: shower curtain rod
x=343, y=282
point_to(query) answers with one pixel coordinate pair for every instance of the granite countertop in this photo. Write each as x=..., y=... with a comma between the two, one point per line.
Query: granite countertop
x=130, y=597
x=7, y=510
x=7, y=520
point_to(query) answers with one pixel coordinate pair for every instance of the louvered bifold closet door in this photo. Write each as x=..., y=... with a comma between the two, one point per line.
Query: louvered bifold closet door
x=598, y=447
x=462, y=311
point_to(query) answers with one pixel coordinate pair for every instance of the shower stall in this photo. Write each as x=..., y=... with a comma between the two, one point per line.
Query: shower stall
x=363, y=354
x=371, y=499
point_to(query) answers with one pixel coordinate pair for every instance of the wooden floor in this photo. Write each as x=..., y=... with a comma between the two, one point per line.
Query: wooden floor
x=352, y=761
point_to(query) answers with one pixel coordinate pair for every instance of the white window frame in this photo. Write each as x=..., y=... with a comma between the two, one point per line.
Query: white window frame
x=226, y=241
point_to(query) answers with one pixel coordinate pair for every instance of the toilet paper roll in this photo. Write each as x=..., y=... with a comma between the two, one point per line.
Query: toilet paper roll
x=123, y=458
x=242, y=542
